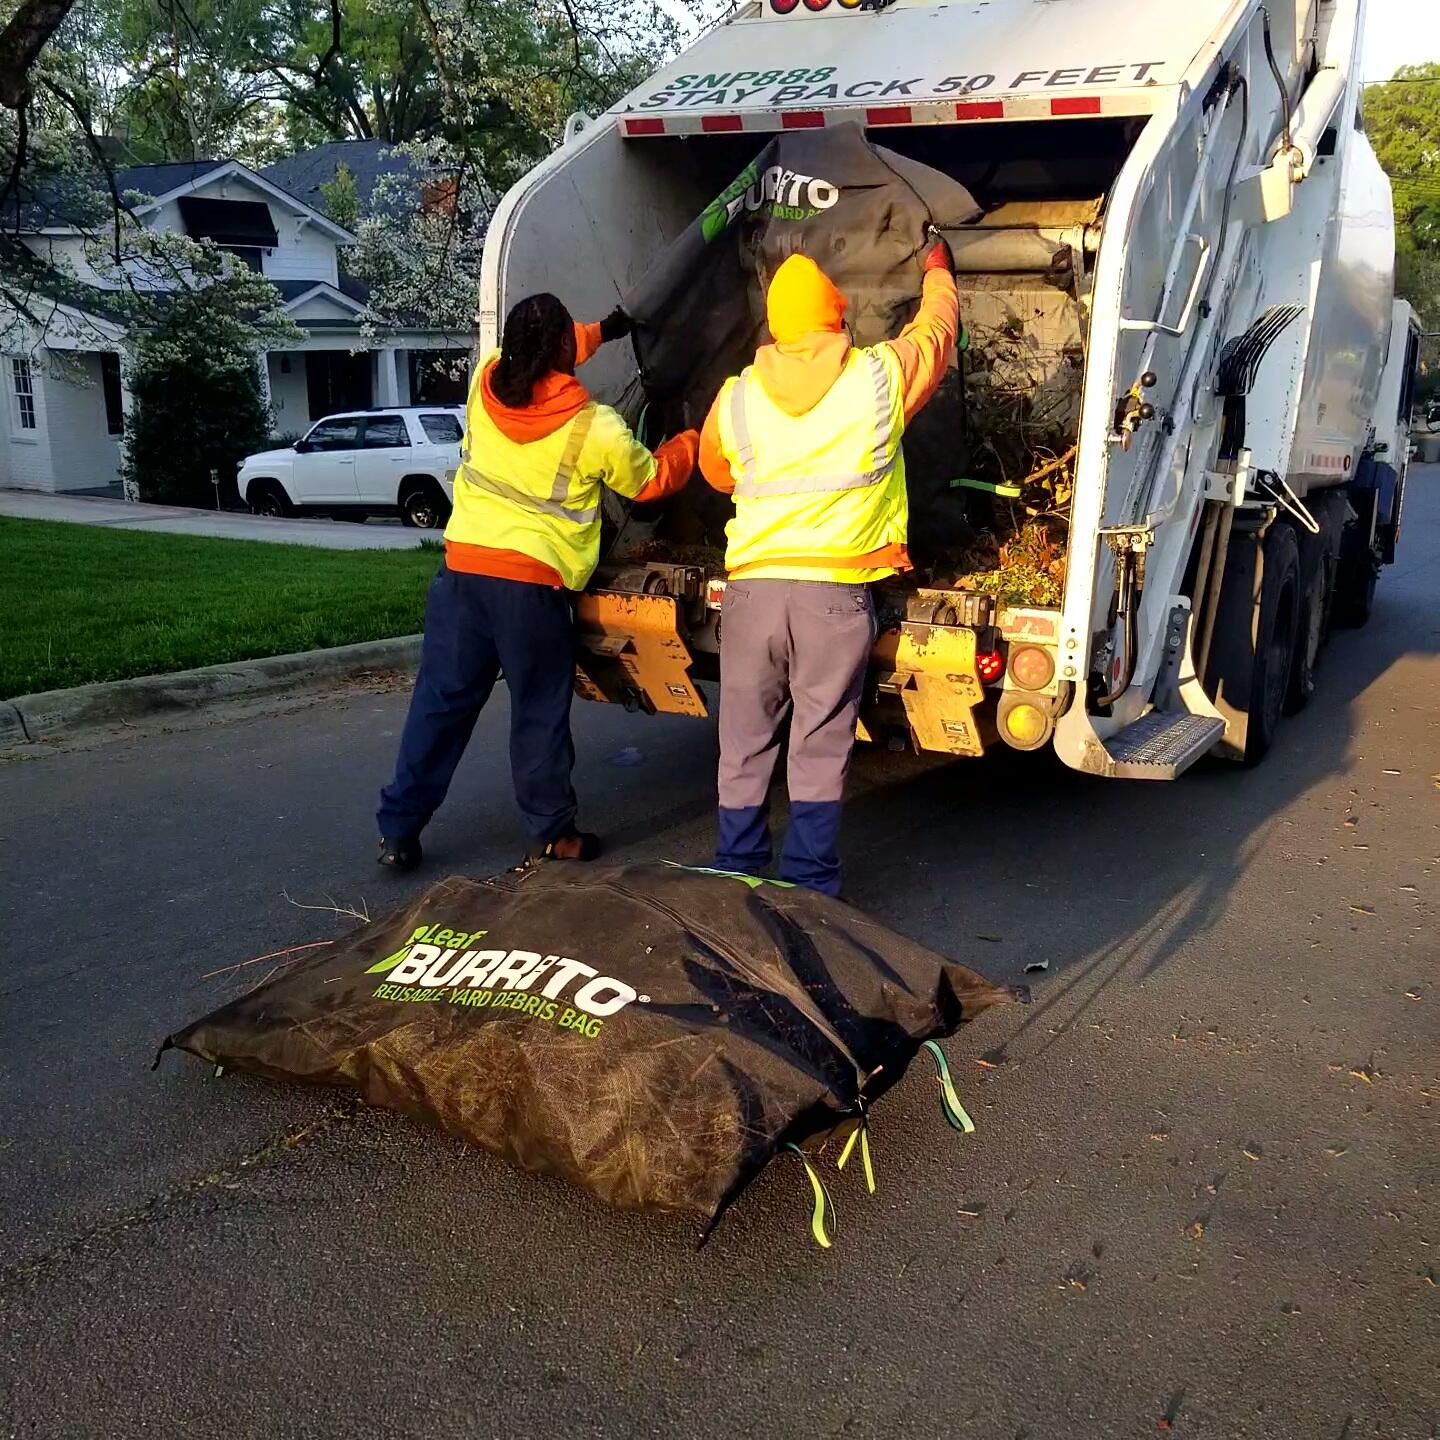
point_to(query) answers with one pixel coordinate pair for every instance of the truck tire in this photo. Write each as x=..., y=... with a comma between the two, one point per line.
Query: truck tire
x=1252, y=654
x=1318, y=560
x=423, y=505
x=1274, y=640
x=268, y=497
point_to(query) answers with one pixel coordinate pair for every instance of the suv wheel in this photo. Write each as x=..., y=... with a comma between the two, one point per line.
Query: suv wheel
x=423, y=505
x=268, y=497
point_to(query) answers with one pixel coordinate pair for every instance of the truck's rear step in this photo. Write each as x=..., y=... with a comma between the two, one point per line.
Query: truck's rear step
x=1160, y=746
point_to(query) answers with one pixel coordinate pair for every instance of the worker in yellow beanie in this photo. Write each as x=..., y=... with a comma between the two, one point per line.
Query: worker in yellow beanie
x=807, y=439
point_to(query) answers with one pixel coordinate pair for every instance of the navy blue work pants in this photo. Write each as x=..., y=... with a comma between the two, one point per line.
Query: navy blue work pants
x=476, y=628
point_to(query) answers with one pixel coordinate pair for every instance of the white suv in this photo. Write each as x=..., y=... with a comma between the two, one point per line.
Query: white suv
x=370, y=462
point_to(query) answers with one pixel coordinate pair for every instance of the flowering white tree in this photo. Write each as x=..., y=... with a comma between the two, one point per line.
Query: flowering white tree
x=472, y=92
x=510, y=76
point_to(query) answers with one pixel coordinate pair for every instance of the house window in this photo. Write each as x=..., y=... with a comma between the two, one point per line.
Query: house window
x=110, y=383
x=246, y=255
x=437, y=377
x=23, y=381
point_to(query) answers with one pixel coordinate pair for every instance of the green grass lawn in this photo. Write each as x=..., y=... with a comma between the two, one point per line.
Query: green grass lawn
x=80, y=603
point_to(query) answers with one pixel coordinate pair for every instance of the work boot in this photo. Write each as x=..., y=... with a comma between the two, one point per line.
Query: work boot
x=401, y=855
x=572, y=845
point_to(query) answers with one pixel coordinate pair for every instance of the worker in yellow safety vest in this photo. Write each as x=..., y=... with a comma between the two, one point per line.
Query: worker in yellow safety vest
x=523, y=537
x=807, y=440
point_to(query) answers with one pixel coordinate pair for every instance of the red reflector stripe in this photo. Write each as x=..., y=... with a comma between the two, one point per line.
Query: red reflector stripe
x=802, y=119
x=1077, y=105
x=980, y=110
x=711, y=124
x=644, y=127
x=888, y=115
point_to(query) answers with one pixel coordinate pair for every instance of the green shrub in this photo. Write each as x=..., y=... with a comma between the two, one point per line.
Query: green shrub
x=194, y=413
x=195, y=377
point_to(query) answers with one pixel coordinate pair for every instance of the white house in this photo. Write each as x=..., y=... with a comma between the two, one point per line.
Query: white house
x=64, y=397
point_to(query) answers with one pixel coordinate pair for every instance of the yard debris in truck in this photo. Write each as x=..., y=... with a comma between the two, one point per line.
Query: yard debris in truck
x=989, y=462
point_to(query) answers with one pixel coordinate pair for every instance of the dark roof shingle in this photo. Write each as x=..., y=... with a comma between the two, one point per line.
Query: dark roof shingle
x=367, y=160
x=294, y=289
x=154, y=180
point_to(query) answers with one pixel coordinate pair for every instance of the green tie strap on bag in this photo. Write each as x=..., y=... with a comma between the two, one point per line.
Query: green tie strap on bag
x=955, y=1112
x=861, y=1133
x=822, y=1214
x=651, y=1033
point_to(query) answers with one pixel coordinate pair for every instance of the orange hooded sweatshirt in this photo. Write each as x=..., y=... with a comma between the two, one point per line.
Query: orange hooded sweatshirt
x=806, y=315
x=555, y=400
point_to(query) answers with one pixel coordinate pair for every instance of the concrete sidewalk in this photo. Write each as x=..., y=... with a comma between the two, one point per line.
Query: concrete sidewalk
x=174, y=520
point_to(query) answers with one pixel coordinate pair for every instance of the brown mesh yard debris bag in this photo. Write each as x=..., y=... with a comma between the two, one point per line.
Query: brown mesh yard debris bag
x=652, y=1033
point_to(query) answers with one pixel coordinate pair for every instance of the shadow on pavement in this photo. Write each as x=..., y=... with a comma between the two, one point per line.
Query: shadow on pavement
x=1146, y=866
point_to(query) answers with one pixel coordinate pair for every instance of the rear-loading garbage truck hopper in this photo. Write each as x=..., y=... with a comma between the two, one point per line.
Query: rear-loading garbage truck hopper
x=1170, y=440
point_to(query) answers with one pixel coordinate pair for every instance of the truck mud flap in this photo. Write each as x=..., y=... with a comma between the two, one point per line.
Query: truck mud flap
x=931, y=670
x=631, y=653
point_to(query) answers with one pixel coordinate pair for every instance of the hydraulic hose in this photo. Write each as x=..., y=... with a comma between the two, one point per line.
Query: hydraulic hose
x=1279, y=79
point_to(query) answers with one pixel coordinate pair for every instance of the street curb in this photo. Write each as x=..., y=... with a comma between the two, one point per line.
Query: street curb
x=12, y=727
x=86, y=707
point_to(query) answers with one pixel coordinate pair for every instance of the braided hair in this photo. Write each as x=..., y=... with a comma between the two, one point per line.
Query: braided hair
x=539, y=337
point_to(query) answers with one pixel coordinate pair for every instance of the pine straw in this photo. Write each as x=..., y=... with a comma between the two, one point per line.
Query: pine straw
x=659, y=1127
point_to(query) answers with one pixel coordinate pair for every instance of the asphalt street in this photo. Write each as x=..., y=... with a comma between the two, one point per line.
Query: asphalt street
x=1201, y=1199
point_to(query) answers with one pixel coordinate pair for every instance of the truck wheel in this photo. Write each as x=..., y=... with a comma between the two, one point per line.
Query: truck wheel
x=423, y=505
x=268, y=497
x=1252, y=653
x=1275, y=634
x=1317, y=565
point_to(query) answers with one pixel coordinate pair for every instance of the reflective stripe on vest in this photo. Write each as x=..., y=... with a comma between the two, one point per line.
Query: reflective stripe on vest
x=819, y=493
x=554, y=506
x=884, y=452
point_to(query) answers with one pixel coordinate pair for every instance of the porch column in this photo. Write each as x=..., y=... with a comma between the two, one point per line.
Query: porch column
x=387, y=377
x=128, y=487
x=267, y=397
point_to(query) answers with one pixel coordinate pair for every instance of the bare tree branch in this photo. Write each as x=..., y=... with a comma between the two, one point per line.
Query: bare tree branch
x=17, y=167
x=21, y=42
x=107, y=170
x=323, y=63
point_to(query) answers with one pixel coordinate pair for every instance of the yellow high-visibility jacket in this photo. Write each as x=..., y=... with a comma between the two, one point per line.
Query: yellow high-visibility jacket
x=818, y=496
x=540, y=497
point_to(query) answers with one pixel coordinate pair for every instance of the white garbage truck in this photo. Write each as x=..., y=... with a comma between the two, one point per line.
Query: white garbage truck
x=1187, y=237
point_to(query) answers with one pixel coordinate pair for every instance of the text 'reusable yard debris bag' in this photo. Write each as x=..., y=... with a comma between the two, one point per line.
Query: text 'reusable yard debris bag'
x=860, y=212
x=652, y=1033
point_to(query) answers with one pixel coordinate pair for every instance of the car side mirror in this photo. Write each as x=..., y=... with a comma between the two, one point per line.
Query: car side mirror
x=303, y=447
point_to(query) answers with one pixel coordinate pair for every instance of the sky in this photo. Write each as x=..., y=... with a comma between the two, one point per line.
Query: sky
x=1400, y=32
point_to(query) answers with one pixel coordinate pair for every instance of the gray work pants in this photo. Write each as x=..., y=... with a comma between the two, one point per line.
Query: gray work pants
x=796, y=648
